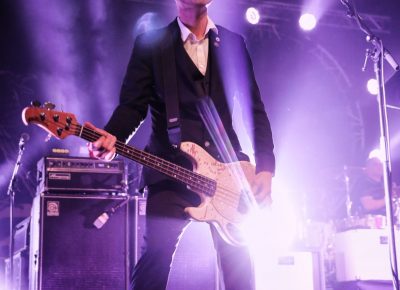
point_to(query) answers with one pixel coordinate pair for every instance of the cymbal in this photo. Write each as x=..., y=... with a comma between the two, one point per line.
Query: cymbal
x=338, y=172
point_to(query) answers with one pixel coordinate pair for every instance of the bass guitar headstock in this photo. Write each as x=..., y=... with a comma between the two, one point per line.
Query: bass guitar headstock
x=57, y=123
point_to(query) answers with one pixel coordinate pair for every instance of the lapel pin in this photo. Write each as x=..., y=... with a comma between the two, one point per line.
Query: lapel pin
x=216, y=42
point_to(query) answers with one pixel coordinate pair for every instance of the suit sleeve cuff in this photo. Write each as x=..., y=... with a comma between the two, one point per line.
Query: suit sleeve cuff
x=265, y=163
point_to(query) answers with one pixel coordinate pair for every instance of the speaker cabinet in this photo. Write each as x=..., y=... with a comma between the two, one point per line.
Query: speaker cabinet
x=292, y=270
x=363, y=254
x=69, y=252
x=20, y=258
x=20, y=271
x=137, y=227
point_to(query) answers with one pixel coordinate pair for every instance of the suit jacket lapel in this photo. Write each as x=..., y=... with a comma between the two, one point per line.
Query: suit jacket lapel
x=215, y=55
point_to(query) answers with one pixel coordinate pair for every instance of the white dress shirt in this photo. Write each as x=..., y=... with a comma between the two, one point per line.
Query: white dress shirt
x=196, y=48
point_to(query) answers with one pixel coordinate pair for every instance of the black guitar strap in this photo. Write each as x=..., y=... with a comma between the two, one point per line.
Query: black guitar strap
x=171, y=91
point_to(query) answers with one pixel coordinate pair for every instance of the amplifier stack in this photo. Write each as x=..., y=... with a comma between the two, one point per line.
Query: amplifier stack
x=68, y=250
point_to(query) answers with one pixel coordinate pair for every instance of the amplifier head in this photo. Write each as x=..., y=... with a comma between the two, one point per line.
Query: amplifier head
x=81, y=175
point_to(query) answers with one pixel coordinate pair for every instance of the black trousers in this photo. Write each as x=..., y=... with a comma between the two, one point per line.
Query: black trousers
x=165, y=222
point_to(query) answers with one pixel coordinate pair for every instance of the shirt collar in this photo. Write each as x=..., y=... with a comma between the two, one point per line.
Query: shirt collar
x=185, y=32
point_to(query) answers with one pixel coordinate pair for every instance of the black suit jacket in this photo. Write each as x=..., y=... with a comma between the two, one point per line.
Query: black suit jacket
x=231, y=74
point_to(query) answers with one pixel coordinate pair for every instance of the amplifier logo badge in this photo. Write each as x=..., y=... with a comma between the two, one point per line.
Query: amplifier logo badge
x=60, y=176
x=53, y=208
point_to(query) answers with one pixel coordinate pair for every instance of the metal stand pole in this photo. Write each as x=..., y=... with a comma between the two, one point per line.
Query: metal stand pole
x=11, y=194
x=387, y=168
x=347, y=188
x=378, y=55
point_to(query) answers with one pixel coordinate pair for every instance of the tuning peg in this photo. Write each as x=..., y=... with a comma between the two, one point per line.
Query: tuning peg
x=36, y=103
x=59, y=131
x=49, y=106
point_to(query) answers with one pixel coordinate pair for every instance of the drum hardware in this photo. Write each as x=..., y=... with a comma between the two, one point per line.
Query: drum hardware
x=347, y=187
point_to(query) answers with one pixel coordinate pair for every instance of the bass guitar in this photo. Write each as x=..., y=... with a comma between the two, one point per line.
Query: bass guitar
x=223, y=187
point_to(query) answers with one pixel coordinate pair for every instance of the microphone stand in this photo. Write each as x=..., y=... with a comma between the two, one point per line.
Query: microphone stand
x=103, y=218
x=377, y=55
x=11, y=194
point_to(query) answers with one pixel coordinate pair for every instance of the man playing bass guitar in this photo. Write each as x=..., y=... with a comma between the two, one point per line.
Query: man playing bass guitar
x=194, y=59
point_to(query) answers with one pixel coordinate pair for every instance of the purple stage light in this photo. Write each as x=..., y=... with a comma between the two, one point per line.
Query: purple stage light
x=278, y=221
x=307, y=21
x=376, y=153
x=252, y=15
x=148, y=21
x=372, y=86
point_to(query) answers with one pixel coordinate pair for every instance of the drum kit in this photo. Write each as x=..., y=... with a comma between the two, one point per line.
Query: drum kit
x=345, y=219
x=322, y=235
x=366, y=221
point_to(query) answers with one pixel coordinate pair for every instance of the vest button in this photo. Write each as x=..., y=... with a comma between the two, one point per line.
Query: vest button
x=207, y=143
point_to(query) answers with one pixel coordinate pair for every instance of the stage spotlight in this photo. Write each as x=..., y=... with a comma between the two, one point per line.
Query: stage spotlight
x=148, y=21
x=307, y=21
x=277, y=221
x=372, y=86
x=252, y=15
x=376, y=153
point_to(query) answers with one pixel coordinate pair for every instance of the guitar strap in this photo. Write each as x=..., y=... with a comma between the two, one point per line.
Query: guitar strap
x=171, y=91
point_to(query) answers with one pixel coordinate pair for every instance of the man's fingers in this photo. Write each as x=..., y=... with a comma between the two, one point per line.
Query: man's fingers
x=98, y=144
x=109, y=142
x=108, y=155
x=255, y=187
x=89, y=125
x=104, y=147
x=102, y=132
x=266, y=202
x=103, y=153
x=263, y=197
x=261, y=187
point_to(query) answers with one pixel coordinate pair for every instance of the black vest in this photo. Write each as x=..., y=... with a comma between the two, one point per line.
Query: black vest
x=192, y=86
